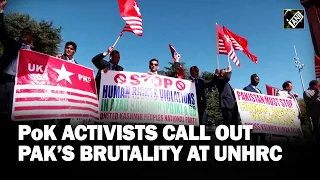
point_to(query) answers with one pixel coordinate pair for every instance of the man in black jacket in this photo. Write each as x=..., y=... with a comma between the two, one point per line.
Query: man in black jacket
x=227, y=99
x=201, y=86
x=102, y=64
x=8, y=61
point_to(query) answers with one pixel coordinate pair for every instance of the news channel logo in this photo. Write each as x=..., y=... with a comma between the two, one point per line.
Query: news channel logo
x=293, y=18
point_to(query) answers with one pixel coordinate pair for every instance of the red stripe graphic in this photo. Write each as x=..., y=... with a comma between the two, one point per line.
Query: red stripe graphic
x=50, y=88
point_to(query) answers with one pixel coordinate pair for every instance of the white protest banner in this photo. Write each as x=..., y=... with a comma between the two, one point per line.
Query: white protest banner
x=142, y=98
x=268, y=114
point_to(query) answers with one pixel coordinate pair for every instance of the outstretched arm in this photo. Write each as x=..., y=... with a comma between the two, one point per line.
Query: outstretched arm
x=175, y=67
x=4, y=37
x=229, y=73
x=3, y=32
x=214, y=81
x=98, y=61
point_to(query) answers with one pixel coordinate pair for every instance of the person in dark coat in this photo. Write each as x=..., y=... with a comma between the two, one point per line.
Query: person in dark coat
x=101, y=64
x=201, y=85
x=227, y=100
x=8, y=61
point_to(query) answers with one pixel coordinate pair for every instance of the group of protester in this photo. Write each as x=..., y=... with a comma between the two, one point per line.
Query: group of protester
x=221, y=79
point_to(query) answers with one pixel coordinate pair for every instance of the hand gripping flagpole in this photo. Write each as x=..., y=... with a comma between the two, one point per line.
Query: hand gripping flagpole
x=115, y=43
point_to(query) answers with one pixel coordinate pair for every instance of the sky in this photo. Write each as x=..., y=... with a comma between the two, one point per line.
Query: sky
x=190, y=27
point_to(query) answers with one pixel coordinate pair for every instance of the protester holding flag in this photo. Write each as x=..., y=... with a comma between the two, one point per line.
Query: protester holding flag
x=154, y=68
x=201, y=86
x=8, y=62
x=227, y=101
x=312, y=99
x=286, y=92
x=253, y=87
x=176, y=57
x=102, y=64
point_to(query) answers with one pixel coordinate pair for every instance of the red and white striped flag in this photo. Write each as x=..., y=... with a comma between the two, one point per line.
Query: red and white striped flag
x=174, y=53
x=130, y=12
x=225, y=46
x=50, y=88
x=240, y=43
x=317, y=66
x=272, y=91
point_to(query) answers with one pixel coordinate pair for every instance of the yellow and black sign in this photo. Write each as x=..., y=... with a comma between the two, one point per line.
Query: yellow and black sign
x=293, y=19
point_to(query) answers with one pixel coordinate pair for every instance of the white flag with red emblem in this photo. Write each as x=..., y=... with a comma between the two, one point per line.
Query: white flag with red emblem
x=225, y=46
x=50, y=88
x=130, y=12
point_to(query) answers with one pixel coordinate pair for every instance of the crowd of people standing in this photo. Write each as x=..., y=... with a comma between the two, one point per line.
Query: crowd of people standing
x=220, y=80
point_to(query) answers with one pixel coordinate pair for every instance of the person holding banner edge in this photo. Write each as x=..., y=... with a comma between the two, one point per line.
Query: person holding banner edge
x=286, y=92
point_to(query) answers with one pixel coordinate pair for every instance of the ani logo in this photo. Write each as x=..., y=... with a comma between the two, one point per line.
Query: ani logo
x=293, y=19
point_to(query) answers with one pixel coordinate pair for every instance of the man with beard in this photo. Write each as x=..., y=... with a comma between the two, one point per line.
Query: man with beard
x=252, y=87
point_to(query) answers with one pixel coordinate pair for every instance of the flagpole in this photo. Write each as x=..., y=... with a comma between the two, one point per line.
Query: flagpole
x=299, y=66
x=115, y=43
x=217, y=47
x=229, y=64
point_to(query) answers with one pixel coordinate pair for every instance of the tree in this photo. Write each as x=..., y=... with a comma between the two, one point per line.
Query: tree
x=183, y=65
x=302, y=105
x=212, y=95
x=304, y=119
x=46, y=38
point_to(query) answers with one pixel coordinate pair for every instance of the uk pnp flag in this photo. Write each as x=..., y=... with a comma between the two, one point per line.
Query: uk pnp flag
x=50, y=88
